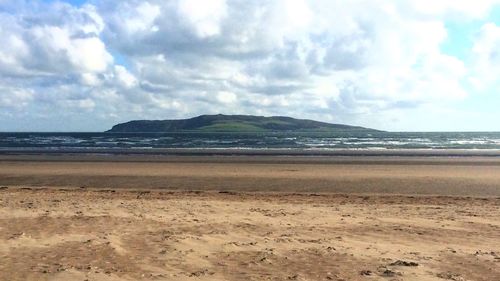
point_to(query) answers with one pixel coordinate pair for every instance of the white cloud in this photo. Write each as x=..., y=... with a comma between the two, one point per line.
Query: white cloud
x=203, y=16
x=486, y=56
x=467, y=8
x=16, y=98
x=140, y=18
x=226, y=97
x=38, y=47
x=125, y=77
x=90, y=79
x=84, y=104
x=331, y=60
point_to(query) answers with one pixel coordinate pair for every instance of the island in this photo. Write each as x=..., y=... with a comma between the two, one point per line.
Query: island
x=233, y=123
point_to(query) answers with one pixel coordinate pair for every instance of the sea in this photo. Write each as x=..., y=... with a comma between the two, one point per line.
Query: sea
x=356, y=141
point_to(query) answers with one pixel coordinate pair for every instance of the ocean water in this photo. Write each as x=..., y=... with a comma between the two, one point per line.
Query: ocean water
x=257, y=141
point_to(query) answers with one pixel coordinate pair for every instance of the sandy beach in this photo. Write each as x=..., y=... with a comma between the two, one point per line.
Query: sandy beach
x=249, y=218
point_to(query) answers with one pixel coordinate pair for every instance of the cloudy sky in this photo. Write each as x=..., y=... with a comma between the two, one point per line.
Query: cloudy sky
x=394, y=65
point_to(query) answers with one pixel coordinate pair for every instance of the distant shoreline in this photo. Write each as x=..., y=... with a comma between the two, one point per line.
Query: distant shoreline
x=257, y=152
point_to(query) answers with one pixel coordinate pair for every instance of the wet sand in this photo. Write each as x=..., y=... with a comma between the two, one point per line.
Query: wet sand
x=240, y=218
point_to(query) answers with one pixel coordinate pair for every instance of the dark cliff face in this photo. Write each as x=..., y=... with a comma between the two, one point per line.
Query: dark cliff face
x=230, y=123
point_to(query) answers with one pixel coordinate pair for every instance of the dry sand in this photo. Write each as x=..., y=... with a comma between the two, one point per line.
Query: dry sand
x=341, y=219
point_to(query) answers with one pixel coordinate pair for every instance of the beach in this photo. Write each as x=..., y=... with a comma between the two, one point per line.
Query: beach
x=244, y=217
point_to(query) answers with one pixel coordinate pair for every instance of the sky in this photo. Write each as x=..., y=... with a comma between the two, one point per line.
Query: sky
x=405, y=65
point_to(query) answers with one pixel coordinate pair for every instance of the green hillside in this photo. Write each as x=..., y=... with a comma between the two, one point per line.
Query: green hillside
x=233, y=123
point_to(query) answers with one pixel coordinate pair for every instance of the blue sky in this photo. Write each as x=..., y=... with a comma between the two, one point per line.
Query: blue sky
x=77, y=2
x=393, y=65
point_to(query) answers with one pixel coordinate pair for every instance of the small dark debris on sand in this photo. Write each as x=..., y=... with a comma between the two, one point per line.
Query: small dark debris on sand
x=365, y=272
x=404, y=263
x=450, y=276
x=228, y=192
x=107, y=191
x=200, y=273
x=389, y=273
x=142, y=193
